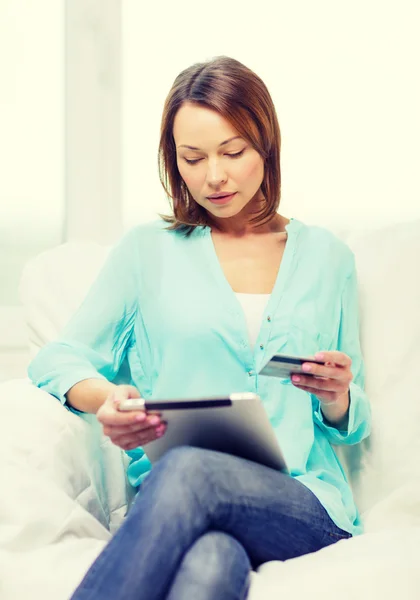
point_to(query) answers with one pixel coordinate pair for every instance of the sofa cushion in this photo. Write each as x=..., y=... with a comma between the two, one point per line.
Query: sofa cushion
x=53, y=285
x=389, y=289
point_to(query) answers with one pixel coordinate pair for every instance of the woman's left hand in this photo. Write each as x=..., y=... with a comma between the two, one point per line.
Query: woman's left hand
x=330, y=383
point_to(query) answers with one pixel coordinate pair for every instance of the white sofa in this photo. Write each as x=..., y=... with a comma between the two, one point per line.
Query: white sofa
x=63, y=484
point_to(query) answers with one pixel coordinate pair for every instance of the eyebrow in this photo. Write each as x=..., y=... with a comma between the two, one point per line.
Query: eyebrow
x=236, y=137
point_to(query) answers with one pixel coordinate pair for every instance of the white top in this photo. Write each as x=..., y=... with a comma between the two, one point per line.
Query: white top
x=253, y=306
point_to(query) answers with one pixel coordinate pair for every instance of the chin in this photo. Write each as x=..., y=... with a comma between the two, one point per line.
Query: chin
x=225, y=212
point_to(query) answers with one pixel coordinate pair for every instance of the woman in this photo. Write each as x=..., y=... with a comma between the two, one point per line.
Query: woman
x=196, y=304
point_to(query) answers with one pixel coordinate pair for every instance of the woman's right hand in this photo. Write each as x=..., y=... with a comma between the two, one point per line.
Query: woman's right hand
x=130, y=429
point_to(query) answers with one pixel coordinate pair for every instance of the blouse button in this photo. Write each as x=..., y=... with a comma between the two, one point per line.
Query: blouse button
x=269, y=319
x=250, y=373
x=261, y=346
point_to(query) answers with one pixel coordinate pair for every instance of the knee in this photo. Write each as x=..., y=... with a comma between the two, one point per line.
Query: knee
x=215, y=553
x=215, y=566
x=184, y=461
x=215, y=545
x=180, y=472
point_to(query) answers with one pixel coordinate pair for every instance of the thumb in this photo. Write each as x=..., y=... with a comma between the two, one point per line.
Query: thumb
x=122, y=392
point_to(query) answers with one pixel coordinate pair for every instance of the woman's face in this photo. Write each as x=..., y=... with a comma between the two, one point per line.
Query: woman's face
x=214, y=167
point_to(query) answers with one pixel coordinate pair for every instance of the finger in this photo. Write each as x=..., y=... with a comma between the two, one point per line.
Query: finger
x=339, y=372
x=139, y=439
x=115, y=430
x=115, y=418
x=135, y=444
x=109, y=415
x=324, y=397
x=133, y=441
x=153, y=421
x=313, y=383
x=131, y=446
x=120, y=393
x=334, y=356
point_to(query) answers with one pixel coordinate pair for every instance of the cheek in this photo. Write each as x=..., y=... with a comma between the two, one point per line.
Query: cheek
x=191, y=177
x=251, y=169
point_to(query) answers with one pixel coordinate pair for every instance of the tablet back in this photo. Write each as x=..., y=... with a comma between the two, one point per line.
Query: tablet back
x=235, y=424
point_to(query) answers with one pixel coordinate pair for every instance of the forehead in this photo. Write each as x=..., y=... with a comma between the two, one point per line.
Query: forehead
x=194, y=123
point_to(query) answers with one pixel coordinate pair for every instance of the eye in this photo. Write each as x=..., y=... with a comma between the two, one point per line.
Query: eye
x=194, y=162
x=237, y=154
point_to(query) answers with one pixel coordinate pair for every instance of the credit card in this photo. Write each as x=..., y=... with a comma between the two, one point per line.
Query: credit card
x=283, y=366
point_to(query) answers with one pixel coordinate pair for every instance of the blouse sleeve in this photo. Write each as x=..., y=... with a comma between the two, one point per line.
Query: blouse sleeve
x=94, y=341
x=359, y=421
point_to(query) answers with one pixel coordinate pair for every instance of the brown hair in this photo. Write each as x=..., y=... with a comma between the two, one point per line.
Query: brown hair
x=226, y=86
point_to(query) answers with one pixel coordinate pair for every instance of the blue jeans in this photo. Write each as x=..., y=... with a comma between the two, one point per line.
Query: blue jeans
x=200, y=522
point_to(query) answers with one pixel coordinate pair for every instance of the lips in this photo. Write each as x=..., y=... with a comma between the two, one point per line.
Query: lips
x=220, y=195
x=221, y=199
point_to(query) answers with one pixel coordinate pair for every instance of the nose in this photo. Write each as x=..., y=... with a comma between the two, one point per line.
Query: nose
x=216, y=175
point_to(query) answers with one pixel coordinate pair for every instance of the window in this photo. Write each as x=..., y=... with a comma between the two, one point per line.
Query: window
x=60, y=149
x=31, y=145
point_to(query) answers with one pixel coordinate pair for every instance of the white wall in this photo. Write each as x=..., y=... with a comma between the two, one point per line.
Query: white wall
x=344, y=77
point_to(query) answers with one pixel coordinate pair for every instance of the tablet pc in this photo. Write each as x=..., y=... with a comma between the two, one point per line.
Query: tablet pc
x=235, y=424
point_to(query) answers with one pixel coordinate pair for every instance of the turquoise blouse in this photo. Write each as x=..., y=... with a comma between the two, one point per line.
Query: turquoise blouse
x=162, y=316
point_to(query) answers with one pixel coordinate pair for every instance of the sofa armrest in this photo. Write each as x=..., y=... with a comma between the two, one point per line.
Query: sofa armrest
x=71, y=452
